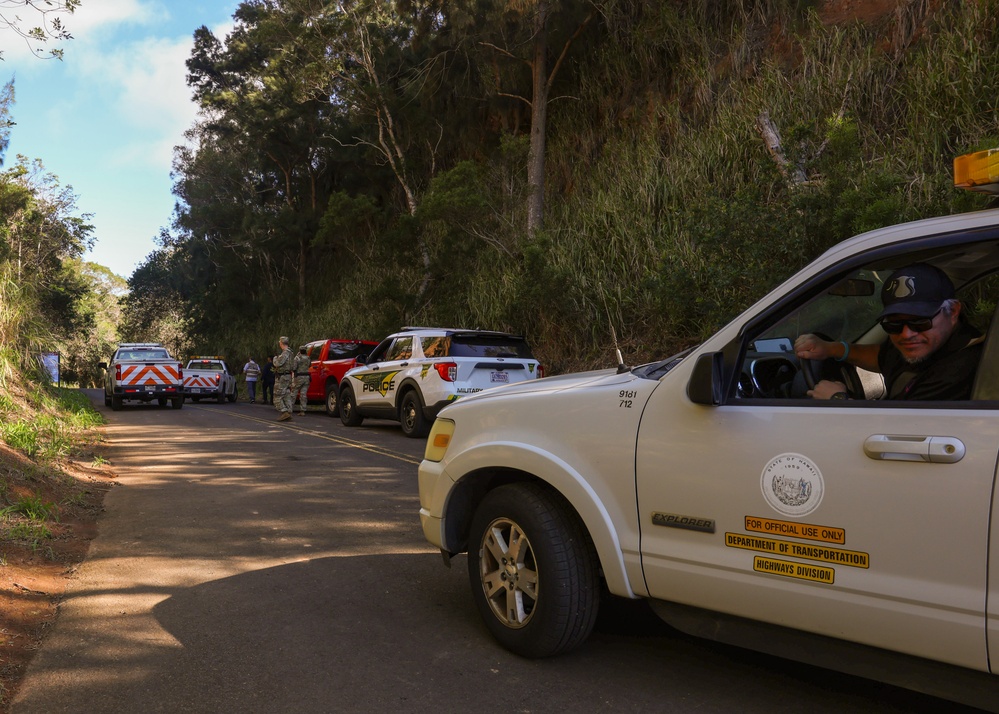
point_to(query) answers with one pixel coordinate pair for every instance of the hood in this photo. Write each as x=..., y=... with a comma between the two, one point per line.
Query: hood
x=561, y=383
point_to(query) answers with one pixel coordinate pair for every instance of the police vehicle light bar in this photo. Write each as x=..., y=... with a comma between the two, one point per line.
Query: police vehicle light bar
x=978, y=171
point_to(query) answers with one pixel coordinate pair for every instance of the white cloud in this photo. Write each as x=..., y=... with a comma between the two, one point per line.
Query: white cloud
x=96, y=15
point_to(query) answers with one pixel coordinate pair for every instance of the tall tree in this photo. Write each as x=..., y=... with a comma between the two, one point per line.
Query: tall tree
x=361, y=57
x=256, y=110
x=528, y=33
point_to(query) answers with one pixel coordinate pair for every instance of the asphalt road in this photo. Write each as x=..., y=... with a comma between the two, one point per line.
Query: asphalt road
x=245, y=565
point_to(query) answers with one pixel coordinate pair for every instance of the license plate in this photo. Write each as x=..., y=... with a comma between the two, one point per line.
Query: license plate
x=499, y=377
x=195, y=390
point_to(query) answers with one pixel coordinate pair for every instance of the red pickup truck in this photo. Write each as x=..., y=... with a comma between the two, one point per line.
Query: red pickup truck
x=330, y=361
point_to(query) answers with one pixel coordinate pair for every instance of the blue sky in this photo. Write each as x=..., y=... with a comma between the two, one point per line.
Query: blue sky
x=105, y=119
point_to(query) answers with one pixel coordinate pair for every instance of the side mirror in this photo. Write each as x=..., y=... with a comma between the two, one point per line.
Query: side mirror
x=102, y=365
x=706, y=382
x=361, y=359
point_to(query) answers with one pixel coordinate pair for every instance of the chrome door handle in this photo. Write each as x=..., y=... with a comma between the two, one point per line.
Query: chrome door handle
x=933, y=449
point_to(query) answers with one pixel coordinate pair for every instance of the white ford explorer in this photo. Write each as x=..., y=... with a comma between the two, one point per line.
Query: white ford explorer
x=412, y=374
x=858, y=533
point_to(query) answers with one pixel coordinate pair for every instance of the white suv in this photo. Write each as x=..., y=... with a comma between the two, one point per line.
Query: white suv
x=858, y=532
x=413, y=374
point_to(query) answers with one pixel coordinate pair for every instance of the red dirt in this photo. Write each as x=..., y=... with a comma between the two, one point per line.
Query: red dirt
x=33, y=579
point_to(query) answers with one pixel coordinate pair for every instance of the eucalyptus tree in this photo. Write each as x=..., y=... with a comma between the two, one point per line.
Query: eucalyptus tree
x=47, y=14
x=523, y=46
x=266, y=133
x=359, y=54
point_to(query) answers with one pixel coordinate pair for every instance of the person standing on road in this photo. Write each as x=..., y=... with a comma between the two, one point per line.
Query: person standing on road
x=267, y=378
x=300, y=388
x=283, y=363
x=251, y=370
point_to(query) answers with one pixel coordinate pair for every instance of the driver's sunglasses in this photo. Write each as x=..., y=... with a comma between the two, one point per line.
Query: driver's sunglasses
x=920, y=324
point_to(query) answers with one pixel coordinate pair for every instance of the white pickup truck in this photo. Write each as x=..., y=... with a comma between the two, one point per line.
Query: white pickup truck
x=142, y=371
x=209, y=377
x=858, y=532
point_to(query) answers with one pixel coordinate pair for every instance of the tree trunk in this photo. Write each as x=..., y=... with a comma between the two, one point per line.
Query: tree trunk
x=539, y=118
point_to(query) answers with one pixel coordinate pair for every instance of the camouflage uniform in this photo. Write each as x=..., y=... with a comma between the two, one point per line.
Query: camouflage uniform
x=283, y=398
x=300, y=387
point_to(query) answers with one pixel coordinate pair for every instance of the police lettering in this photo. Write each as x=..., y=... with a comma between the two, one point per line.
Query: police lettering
x=380, y=387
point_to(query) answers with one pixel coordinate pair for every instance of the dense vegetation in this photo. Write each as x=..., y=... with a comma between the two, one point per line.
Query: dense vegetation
x=363, y=165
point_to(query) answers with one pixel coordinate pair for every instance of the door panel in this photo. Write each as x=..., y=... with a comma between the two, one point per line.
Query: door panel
x=810, y=531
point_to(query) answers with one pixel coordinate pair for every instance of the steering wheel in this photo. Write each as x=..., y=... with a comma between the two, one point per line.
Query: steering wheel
x=813, y=372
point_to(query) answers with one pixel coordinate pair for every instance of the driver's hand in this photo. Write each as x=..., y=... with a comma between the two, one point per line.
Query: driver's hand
x=809, y=346
x=825, y=389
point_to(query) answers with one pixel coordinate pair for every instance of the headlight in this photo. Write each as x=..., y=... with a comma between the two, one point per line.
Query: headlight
x=439, y=440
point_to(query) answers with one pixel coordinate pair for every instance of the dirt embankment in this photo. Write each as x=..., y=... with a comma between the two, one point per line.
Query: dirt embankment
x=38, y=557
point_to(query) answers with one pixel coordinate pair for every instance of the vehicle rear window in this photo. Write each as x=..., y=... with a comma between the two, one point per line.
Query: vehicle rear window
x=137, y=355
x=488, y=346
x=348, y=350
x=199, y=364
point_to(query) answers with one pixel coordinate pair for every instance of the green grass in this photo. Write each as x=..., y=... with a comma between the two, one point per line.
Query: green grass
x=33, y=508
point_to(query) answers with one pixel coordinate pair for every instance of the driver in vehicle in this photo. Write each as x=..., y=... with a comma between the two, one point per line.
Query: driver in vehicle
x=931, y=352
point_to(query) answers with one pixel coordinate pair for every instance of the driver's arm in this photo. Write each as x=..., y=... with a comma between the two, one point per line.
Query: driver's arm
x=811, y=347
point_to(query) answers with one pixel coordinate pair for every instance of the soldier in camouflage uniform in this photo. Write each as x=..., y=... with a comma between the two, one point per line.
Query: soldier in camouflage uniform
x=283, y=364
x=300, y=387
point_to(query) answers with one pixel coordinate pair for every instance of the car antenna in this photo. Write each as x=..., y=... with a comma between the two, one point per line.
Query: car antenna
x=621, y=366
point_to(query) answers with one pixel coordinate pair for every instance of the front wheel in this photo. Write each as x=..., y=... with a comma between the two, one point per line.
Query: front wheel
x=533, y=571
x=348, y=408
x=332, y=405
x=414, y=423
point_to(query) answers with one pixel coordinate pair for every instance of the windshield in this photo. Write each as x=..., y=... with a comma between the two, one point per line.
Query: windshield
x=847, y=311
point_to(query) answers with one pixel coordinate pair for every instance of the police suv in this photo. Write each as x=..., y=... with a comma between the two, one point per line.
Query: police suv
x=412, y=374
x=859, y=534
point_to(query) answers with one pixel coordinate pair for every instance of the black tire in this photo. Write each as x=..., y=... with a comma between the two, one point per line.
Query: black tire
x=161, y=401
x=107, y=399
x=414, y=424
x=348, y=408
x=539, y=590
x=220, y=397
x=115, y=403
x=234, y=396
x=177, y=402
x=332, y=400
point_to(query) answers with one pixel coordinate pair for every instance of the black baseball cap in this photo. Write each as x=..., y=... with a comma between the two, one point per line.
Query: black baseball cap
x=917, y=290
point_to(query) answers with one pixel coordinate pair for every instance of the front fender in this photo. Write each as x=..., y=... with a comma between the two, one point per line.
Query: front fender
x=512, y=458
